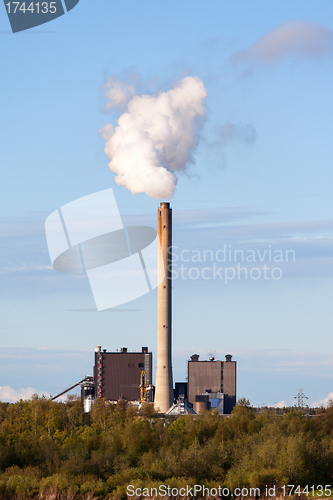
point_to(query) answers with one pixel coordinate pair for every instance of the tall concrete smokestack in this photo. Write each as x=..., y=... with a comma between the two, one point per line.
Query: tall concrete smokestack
x=164, y=382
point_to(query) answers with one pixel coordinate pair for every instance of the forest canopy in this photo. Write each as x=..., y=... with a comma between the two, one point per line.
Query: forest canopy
x=53, y=449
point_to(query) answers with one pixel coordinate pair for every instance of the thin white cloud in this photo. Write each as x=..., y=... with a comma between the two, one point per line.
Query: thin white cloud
x=10, y=395
x=286, y=360
x=297, y=38
x=280, y=404
x=27, y=268
x=324, y=402
x=278, y=361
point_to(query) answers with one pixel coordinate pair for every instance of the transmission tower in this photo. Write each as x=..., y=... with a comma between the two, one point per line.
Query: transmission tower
x=300, y=399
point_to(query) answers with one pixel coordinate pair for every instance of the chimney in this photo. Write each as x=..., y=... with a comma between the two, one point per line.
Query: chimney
x=164, y=381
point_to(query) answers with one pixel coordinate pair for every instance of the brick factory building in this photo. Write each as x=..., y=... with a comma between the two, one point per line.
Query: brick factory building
x=217, y=378
x=118, y=374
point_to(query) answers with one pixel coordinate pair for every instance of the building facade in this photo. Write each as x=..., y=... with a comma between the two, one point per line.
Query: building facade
x=118, y=374
x=211, y=377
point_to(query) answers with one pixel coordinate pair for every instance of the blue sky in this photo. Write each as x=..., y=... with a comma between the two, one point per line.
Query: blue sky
x=261, y=179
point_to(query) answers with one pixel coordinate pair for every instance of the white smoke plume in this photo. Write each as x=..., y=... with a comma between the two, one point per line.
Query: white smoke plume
x=116, y=93
x=243, y=132
x=155, y=138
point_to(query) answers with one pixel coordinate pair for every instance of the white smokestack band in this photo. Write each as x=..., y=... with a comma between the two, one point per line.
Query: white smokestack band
x=155, y=138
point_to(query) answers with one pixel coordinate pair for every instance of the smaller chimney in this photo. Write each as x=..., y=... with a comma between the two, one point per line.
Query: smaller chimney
x=228, y=357
x=195, y=357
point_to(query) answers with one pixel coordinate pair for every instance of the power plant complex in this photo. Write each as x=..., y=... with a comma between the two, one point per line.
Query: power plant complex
x=128, y=375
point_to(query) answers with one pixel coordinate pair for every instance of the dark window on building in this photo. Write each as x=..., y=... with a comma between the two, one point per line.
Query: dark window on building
x=140, y=365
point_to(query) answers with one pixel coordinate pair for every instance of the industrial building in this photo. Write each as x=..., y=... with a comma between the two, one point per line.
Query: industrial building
x=123, y=374
x=212, y=384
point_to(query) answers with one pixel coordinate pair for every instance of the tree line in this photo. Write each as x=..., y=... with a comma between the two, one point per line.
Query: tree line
x=54, y=450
